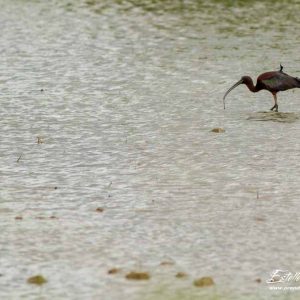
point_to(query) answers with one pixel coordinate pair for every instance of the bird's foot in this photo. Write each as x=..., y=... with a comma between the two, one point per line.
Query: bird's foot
x=275, y=107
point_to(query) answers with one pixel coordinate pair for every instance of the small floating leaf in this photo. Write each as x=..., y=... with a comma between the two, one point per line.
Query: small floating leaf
x=18, y=218
x=99, y=209
x=138, y=276
x=38, y=279
x=204, y=281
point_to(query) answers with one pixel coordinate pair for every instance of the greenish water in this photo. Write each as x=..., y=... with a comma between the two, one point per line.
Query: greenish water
x=108, y=159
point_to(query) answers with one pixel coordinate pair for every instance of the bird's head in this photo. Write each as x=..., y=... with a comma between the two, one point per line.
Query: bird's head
x=246, y=80
x=243, y=80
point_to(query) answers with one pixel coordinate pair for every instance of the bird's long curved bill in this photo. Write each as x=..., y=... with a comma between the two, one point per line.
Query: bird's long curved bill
x=233, y=87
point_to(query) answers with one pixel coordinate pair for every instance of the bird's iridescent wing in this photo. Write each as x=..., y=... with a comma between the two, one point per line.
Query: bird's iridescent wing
x=278, y=81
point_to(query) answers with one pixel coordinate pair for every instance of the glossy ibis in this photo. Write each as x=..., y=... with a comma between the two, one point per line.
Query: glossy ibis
x=273, y=82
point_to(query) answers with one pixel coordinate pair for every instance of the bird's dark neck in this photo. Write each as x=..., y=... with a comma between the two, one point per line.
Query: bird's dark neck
x=251, y=86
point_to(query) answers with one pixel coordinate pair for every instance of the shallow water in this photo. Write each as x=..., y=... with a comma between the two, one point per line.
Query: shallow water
x=123, y=97
x=274, y=116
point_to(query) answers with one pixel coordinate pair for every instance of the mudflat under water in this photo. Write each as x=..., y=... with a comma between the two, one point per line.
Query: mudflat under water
x=111, y=105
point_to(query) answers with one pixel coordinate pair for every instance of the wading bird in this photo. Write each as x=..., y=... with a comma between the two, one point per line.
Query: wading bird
x=273, y=82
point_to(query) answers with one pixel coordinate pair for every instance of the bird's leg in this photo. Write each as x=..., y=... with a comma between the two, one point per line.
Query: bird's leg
x=275, y=105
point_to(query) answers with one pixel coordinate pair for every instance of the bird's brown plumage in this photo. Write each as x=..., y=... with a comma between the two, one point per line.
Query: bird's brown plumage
x=277, y=81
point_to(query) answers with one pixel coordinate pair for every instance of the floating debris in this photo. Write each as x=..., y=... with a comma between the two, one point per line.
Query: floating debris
x=258, y=280
x=181, y=275
x=218, y=130
x=113, y=271
x=38, y=280
x=137, y=276
x=99, y=209
x=40, y=140
x=19, y=158
x=18, y=218
x=204, y=281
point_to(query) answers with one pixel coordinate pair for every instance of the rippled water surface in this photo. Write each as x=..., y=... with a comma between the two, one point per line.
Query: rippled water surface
x=110, y=104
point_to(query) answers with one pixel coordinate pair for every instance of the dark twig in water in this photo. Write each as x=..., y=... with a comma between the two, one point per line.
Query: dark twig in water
x=19, y=158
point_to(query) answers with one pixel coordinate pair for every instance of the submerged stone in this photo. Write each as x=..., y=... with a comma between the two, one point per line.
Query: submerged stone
x=137, y=276
x=113, y=271
x=274, y=116
x=167, y=263
x=218, y=130
x=204, y=281
x=38, y=280
x=181, y=275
